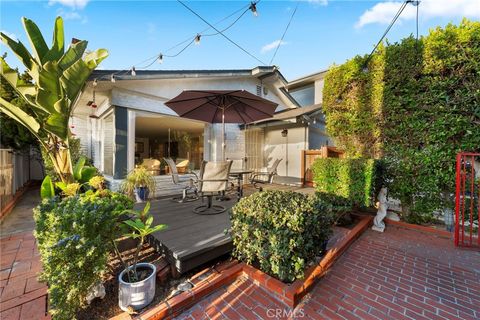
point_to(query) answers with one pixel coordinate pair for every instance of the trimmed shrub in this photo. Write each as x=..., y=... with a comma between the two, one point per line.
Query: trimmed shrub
x=74, y=238
x=355, y=180
x=280, y=232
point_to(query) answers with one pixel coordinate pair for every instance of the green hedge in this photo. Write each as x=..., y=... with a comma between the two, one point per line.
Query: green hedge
x=280, y=232
x=74, y=239
x=415, y=105
x=355, y=180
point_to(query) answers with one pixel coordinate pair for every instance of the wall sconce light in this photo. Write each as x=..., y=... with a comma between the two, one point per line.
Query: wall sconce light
x=284, y=133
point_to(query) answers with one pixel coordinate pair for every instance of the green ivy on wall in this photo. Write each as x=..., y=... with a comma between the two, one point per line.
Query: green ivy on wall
x=416, y=104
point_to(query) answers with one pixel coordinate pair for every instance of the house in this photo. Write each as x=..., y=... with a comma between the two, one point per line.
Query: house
x=122, y=121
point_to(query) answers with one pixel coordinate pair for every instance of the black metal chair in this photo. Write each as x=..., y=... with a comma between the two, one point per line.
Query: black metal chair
x=187, y=185
x=213, y=180
x=264, y=177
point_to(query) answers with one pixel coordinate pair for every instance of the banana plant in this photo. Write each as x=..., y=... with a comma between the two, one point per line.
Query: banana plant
x=58, y=77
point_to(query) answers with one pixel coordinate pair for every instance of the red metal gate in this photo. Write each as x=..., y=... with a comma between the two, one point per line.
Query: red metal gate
x=467, y=200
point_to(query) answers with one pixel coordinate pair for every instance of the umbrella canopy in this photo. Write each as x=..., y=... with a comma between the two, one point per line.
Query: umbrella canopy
x=222, y=106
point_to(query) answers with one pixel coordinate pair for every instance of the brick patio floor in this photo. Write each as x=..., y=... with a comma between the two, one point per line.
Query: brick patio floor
x=400, y=274
x=21, y=295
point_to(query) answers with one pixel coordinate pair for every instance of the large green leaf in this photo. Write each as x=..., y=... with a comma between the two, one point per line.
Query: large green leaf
x=47, y=190
x=19, y=115
x=19, y=49
x=94, y=58
x=37, y=42
x=58, y=44
x=88, y=173
x=74, y=52
x=77, y=169
x=11, y=76
x=74, y=78
x=57, y=124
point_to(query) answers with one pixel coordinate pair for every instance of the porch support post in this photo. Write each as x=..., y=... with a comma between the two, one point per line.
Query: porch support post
x=121, y=141
x=131, y=140
x=207, y=142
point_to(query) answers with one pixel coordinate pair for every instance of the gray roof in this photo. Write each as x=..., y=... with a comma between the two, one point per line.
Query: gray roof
x=259, y=71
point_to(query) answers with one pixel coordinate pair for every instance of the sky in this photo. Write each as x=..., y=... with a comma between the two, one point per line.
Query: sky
x=321, y=32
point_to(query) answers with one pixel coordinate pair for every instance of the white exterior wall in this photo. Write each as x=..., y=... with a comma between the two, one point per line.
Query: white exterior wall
x=287, y=148
x=150, y=95
x=319, y=91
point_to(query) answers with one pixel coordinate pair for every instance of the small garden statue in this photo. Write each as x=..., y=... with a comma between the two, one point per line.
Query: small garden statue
x=378, y=224
x=97, y=291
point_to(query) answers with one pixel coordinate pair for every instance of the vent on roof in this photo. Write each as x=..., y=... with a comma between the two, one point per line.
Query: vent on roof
x=259, y=91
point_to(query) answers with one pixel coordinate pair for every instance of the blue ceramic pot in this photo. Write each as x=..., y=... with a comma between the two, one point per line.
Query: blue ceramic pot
x=141, y=194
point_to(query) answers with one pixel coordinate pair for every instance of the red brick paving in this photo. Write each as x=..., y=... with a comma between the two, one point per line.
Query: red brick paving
x=21, y=295
x=400, y=274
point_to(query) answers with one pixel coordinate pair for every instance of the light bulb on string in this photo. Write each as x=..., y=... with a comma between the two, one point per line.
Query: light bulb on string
x=95, y=83
x=197, y=39
x=112, y=78
x=253, y=8
x=132, y=71
x=160, y=58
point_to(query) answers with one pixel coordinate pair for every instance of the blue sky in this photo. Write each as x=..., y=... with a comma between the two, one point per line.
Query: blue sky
x=322, y=32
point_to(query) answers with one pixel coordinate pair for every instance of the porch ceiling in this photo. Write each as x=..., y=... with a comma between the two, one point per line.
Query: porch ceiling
x=157, y=126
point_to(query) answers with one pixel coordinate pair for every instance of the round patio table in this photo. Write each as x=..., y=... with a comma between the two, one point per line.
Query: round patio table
x=238, y=174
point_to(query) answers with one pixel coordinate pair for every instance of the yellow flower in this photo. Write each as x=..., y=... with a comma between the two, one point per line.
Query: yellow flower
x=71, y=189
x=97, y=182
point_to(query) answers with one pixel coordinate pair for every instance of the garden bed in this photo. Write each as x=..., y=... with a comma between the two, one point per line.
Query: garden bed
x=108, y=307
x=211, y=279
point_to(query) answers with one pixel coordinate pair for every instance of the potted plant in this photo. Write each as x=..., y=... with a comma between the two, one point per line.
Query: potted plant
x=139, y=182
x=137, y=280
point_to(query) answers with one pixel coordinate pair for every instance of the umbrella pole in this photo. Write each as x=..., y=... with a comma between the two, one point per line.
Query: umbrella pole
x=223, y=134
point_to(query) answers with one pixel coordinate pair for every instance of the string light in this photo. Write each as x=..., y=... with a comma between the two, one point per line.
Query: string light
x=253, y=8
x=197, y=39
x=193, y=40
x=95, y=83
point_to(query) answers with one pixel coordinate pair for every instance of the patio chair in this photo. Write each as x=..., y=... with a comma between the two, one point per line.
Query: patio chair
x=152, y=165
x=187, y=185
x=182, y=166
x=213, y=180
x=264, y=176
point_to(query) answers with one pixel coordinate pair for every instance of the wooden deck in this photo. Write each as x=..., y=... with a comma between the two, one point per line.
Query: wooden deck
x=192, y=240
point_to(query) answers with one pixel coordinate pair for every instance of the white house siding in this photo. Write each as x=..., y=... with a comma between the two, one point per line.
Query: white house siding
x=149, y=95
x=82, y=129
x=289, y=149
x=319, y=91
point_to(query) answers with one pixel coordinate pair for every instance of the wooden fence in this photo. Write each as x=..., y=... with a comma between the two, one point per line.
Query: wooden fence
x=6, y=177
x=308, y=158
x=14, y=174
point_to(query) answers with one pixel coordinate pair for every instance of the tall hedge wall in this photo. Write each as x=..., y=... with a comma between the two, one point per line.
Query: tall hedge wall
x=416, y=105
x=355, y=180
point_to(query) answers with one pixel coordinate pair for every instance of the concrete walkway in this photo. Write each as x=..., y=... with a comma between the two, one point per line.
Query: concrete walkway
x=22, y=296
x=21, y=217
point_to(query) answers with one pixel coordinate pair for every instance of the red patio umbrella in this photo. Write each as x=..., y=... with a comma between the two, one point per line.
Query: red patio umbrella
x=222, y=106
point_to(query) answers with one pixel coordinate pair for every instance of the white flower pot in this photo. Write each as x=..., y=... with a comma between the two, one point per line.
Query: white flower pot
x=138, y=294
